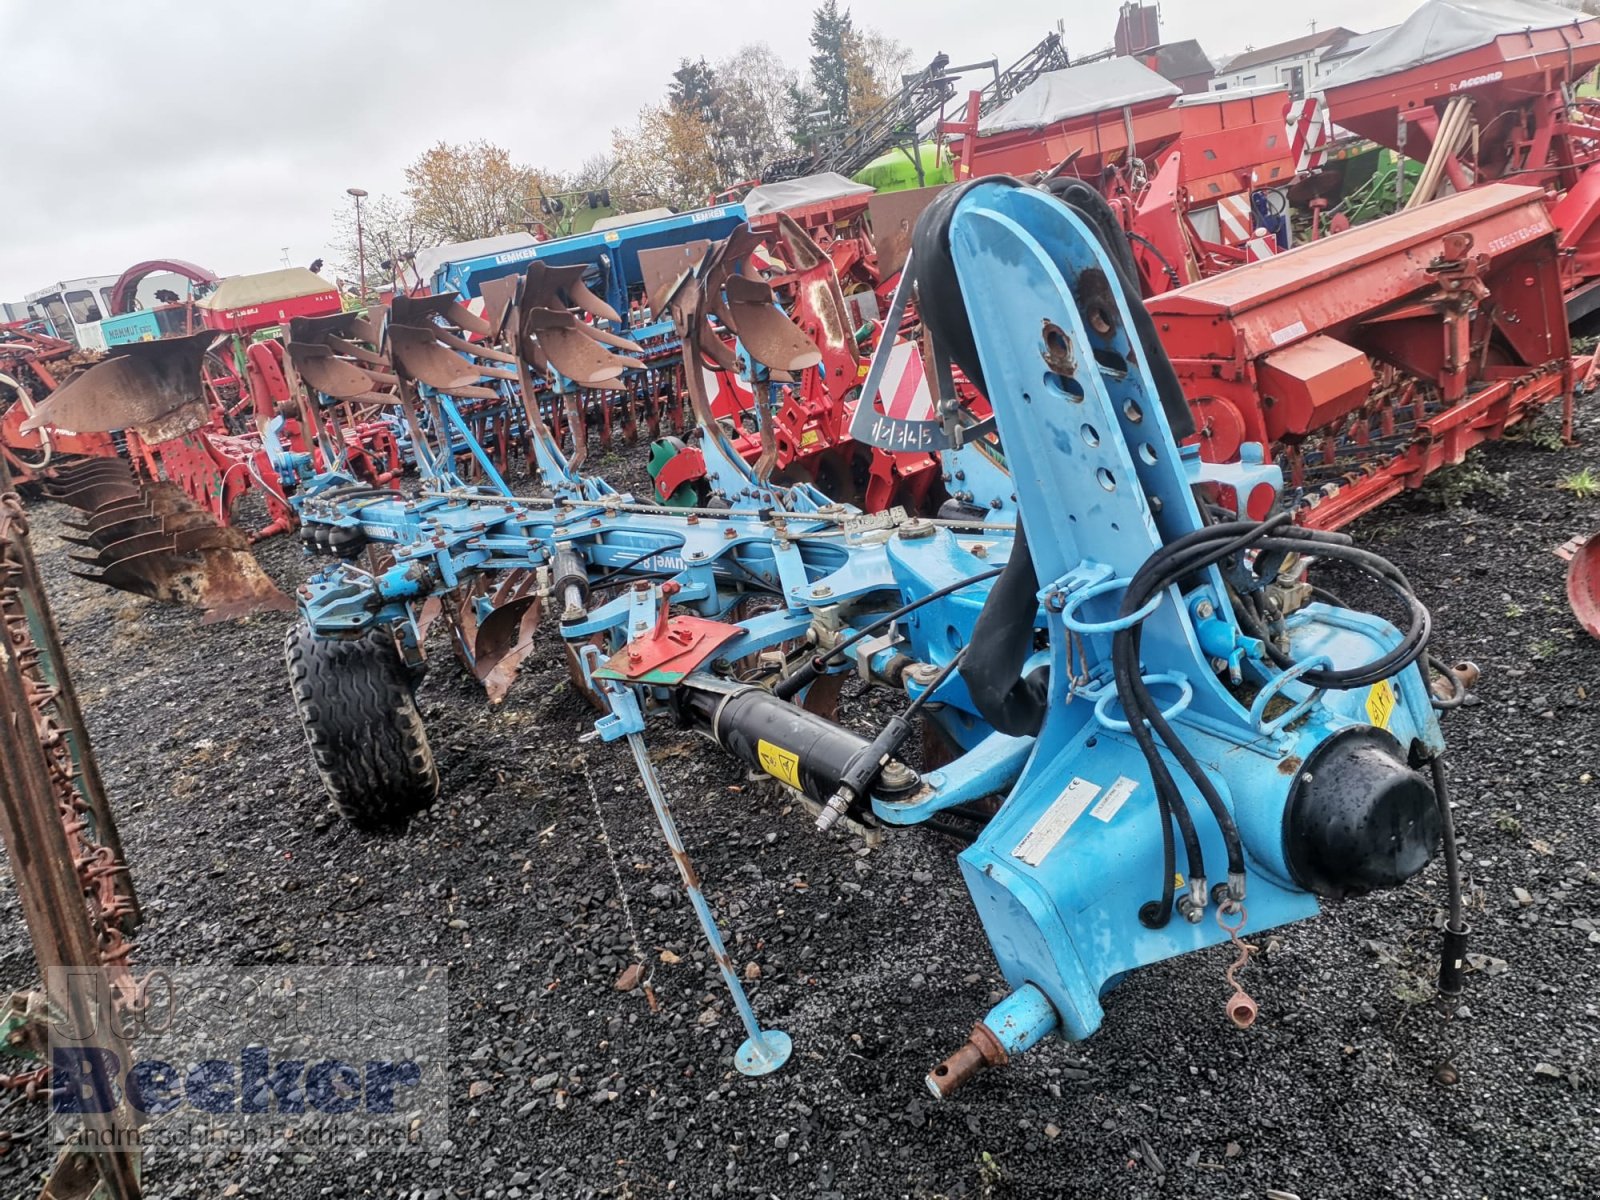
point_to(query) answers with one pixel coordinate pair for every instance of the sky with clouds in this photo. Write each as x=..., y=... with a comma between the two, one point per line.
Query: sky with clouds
x=222, y=132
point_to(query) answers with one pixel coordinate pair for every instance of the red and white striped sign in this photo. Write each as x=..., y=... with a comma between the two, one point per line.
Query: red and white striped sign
x=1310, y=131
x=1257, y=248
x=906, y=395
x=1238, y=223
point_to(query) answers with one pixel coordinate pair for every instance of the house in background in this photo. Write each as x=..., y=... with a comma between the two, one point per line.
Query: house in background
x=1297, y=64
x=1139, y=36
x=1345, y=51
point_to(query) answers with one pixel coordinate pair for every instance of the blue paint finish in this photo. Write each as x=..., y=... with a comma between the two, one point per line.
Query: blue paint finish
x=1092, y=470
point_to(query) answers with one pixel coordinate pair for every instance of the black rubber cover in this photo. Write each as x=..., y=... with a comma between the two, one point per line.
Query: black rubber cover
x=1002, y=639
x=1358, y=817
x=944, y=312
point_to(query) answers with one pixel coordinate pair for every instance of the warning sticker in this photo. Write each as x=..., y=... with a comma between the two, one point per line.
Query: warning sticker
x=809, y=438
x=1380, y=703
x=779, y=763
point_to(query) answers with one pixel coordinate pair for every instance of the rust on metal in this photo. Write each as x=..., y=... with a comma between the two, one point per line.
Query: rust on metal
x=981, y=1052
x=769, y=336
x=580, y=358
x=152, y=388
x=663, y=268
x=63, y=846
x=327, y=373
x=894, y=215
x=419, y=353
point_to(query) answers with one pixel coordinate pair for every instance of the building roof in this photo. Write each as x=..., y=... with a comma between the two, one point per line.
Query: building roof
x=1178, y=60
x=1293, y=48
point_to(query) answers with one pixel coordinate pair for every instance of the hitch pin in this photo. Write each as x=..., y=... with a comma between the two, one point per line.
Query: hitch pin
x=764, y=1050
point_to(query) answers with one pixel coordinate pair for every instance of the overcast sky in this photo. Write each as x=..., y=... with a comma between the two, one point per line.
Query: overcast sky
x=222, y=132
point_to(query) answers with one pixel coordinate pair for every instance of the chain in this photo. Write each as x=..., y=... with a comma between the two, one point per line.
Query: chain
x=622, y=892
x=1241, y=1008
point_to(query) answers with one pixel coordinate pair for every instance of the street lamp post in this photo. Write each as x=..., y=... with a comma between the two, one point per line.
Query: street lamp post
x=361, y=245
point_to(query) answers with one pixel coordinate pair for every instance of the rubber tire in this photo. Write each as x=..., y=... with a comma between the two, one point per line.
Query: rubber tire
x=354, y=699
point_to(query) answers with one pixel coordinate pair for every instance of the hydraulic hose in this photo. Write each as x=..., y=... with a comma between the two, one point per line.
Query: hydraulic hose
x=1002, y=638
x=1452, y=963
x=792, y=685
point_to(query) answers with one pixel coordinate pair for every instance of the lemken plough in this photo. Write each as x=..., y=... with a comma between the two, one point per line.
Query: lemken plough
x=1160, y=736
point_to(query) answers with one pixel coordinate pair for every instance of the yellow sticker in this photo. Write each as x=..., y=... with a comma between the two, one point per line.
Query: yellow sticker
x=779, y=763
x=1380, y=703
x=809, y=438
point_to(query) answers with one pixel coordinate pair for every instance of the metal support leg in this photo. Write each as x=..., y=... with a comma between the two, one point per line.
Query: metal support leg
x=764, y=1050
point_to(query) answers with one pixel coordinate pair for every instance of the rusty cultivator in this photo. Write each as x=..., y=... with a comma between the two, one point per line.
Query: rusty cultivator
x=67, y=859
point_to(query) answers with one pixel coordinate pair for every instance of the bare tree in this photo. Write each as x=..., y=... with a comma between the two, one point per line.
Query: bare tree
x=389, y=234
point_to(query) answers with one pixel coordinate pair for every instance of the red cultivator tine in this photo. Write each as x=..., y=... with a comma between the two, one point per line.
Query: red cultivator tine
x=1583, y=580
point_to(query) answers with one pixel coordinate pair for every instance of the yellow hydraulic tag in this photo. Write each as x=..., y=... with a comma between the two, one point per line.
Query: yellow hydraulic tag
x=1380, y=703
x=779, y=763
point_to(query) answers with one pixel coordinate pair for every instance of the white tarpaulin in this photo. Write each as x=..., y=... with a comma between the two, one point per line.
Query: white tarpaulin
x=1441, y=28
x=434, y=257
x=1111, y=83
x=796, y=193
x=269, y=287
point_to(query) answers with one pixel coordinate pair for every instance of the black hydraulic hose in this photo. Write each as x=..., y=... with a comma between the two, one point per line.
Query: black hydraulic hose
x=921, y=701
x=1452, y=962
x=1163, y=568
x=1002, y=636
x=1436, y=665
x=1413, y=643
x=1172, y=275
x=794, y=684
x=1169, y=802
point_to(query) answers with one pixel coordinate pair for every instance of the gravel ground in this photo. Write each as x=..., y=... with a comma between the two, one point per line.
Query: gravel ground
x=871, y=959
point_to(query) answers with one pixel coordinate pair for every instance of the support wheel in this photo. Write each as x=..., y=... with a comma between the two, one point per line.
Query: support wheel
x=361, y=721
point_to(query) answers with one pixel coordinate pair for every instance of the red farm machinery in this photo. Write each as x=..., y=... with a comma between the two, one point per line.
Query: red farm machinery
x=157, y=463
